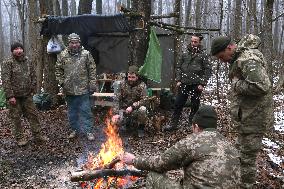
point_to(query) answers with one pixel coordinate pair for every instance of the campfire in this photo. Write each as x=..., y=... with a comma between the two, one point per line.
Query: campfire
x=105, y=170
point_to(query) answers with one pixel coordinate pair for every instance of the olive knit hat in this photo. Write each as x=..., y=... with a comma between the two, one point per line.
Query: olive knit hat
x=219, y=44
x=206, y=117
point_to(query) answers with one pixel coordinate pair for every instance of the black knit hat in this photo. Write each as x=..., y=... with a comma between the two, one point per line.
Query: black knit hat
x=206, y=117
x=219, y=44
x=16, y=45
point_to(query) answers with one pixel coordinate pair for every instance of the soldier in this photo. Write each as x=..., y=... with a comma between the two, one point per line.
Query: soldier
x=207, y=158
x=19, y=83
x=76, y=74
x=251, y=97
x=132, y=101
x=192, y=72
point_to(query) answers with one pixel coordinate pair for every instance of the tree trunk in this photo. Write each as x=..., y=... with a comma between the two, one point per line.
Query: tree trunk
x=50, y=84
x=73, y=8
x=138, y=40
x=64, y=7
x=85, y=7
x=34, y=44
x=238, y=20
x=1, y=37
x=188, y=13
x=218, y=62
x=99, y=7
x=198, y=14
x=248, y=16
x=267, y=36
x=254, y=16
x=228, y=23
x=177, y=43
x=276, y=28
x=160, y=7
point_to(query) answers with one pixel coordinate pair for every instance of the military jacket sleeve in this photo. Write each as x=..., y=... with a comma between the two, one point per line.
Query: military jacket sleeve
x=175, y=157
x=59, y=71
x=92, y=73
x=6, y=78
x=33, y=77
x=143, y=100
x=255, y=81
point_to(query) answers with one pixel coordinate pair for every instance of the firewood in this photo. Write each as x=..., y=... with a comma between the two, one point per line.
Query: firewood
x=95, y=174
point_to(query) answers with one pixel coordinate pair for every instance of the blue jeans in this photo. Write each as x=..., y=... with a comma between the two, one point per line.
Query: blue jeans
x=79, y=113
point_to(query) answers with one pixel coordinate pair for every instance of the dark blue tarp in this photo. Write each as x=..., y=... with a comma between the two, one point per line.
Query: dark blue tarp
x=85, y=25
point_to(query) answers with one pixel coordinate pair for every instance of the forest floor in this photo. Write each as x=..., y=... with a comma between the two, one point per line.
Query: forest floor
x=49, y=165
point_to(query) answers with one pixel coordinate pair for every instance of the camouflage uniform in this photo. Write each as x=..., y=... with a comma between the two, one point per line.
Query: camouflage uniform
x=19, y=81
x=207, y=158
x=76, y=73
x=130, y=94
x=251, y=103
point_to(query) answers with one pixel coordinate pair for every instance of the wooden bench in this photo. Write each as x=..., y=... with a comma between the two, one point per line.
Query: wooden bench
x=99, y=101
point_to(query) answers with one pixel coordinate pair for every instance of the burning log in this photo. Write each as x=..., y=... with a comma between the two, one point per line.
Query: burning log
x=95, y=174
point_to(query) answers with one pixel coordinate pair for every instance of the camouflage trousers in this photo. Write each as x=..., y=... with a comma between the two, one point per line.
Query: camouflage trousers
x=24, y=106
x=161, y=181
x=137, y=117
x=249, y=146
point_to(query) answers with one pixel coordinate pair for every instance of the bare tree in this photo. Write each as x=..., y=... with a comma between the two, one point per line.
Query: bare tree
x=64, y=7
x=276, y=28
x=198, y=14
x=85, y=7
x=238, y=20
x=138, y=40
x=73, y=8
x=99, y=6
x=1, y=36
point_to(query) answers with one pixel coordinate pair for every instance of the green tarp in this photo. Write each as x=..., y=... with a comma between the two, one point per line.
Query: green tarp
x=2, y=98
x=153, y=61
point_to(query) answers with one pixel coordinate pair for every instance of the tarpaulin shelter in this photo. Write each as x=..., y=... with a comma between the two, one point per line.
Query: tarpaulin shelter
x=106, y=37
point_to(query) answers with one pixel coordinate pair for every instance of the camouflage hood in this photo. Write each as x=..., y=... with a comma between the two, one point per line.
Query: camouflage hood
x=249, y=42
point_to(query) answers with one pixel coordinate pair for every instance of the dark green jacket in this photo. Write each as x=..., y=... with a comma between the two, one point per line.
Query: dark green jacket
x=193, y=68
x=18, y=77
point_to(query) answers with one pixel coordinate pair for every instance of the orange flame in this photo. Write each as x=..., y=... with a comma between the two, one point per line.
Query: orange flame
x=110, y=150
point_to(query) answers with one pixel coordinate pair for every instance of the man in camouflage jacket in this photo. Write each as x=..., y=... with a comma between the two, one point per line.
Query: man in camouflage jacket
x=192, y=73
x=207, y=158
x=76, y=74
x=132, y=100
x=19, y=83
x=251, y=97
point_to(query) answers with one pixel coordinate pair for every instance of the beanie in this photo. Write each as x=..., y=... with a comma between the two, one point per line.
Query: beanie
x=219, y=44
x=16, y=45
x=133, y=69
x=73, y=37
x=206, y=117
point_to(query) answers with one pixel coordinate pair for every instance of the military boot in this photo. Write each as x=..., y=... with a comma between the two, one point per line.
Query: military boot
x=172, y=126
x=141, y=130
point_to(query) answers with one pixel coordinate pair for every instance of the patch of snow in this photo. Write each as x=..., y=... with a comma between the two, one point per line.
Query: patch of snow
x=279, y=121
x=269, y=143
x=276, y=159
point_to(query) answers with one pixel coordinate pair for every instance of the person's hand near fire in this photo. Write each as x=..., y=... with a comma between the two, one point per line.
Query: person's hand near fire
x=127, y=158
x=116, y=118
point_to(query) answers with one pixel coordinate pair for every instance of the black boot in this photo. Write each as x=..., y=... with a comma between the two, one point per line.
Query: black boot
x=141, y=130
